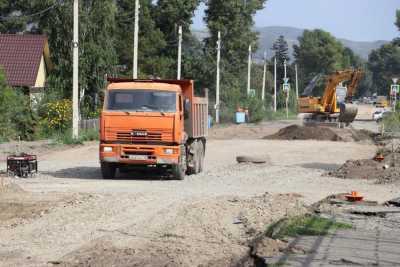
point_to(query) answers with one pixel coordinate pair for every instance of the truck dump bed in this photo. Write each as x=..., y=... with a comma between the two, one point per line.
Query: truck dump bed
x=197, y=124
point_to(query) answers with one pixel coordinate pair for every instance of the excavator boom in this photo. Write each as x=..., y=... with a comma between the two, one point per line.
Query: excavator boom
x=327, y=106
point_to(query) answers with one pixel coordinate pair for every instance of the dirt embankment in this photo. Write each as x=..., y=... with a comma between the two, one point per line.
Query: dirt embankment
x=215, y=232
x=322, y=133
x=18, y=206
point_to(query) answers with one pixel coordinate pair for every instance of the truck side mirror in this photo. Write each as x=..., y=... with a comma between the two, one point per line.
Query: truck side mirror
x=186, y=108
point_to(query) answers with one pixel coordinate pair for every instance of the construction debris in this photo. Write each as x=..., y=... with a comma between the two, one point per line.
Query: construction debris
x=394, y=202
x=255, y=160
x=385, y=171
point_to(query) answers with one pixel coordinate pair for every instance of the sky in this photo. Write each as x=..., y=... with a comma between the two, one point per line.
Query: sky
x=358, y=20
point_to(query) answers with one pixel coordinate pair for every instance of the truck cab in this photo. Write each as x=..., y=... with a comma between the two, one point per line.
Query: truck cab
x=152, y=123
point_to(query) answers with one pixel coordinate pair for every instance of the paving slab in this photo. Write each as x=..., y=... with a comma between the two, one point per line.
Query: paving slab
x=374, y=241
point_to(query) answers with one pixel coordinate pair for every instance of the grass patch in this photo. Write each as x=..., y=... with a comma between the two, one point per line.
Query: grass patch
x=304, y=225
x=66, y=138
x=280, y=115
x=392, y=123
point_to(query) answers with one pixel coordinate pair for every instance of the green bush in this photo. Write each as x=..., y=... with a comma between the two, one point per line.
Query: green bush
x=392, y=122
x=65, y=137
x=17, y=119
x=281, y=100
x=280, y=114
x=58, y=115
x=256, y=109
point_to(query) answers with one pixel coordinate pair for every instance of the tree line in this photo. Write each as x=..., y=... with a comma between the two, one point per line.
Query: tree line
x=106, y=47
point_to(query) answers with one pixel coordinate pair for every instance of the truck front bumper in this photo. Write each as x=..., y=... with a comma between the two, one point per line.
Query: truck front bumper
x=139, y=154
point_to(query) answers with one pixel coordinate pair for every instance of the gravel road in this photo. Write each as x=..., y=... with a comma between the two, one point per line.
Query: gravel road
x=205, y=219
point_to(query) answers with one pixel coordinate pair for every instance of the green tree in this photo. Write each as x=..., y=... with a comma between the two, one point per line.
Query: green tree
x=12, y=12
x=384, y=64
x=152, y=42
x=281, y=50
x=319, y=52
x=16, y=118
x=398, y=19
x=234, y=19
x=169, y=15
x=96, y=45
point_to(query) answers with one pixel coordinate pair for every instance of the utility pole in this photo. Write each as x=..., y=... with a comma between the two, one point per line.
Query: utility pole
x=75, y=75
x=136, y=41
x=179, y=53
x=297, y=82
x=288, y=91
x=285, y=67
x=264, y=76
x=249, y=73
x=275, y=73
x=218, y=78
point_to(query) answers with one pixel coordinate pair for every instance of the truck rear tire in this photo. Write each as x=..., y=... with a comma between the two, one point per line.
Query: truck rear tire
x=108, y=170
x=194, y=166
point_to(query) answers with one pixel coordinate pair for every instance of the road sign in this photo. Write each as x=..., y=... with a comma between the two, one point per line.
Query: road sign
x=395, y=80
x=285, y=80
x=286, y=87
x=252, y=92
x=341, y=93
x=395, y=89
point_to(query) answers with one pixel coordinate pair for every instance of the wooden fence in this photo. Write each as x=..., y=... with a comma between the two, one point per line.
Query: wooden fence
x=89, y=124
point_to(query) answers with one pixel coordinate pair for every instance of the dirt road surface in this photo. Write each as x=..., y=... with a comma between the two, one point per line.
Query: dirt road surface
x=144, y=220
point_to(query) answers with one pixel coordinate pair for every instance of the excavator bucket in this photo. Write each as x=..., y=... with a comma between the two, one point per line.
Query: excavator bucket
x=348, y=113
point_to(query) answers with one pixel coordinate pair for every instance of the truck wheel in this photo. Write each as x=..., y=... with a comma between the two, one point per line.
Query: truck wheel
x=193, y=167
x=108, y=170
x=178, y=172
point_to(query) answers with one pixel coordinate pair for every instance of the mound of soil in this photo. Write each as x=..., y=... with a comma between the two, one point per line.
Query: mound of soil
x=382, y=172
x=322, y=133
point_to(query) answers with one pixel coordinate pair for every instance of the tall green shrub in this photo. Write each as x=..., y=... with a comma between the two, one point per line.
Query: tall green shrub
x=16, y=119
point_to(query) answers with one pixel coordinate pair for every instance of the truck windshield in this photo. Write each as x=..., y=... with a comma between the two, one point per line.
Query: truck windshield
x=142, y=100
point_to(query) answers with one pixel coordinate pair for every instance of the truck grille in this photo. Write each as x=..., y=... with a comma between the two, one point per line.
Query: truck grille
x=142, y=138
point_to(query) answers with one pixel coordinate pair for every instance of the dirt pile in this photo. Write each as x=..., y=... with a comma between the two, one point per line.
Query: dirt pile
x=382, y=172
x=322, y=133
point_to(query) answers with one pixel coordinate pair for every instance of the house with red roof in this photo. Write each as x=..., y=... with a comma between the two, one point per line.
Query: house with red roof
x=25, y=59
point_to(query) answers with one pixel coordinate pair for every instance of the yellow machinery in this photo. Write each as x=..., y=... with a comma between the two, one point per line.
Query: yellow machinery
x=327, y=107
x=382, y=102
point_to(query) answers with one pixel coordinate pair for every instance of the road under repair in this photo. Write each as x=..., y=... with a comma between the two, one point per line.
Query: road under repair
x=69, y=215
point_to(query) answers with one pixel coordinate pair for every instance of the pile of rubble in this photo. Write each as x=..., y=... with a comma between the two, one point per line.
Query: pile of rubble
x=385, y=171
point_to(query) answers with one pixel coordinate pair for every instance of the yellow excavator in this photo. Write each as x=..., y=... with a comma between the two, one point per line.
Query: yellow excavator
x=329, y=107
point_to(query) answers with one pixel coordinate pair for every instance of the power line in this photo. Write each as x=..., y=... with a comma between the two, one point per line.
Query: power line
x=5, y=18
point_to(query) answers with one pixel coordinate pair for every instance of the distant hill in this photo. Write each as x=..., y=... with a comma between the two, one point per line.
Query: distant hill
x=268, y=35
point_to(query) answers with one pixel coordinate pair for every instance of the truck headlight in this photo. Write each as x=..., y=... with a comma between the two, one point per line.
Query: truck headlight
x=168, y=151
x=107, y=149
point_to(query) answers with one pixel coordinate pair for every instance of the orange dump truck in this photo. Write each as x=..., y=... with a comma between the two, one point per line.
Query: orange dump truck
x=153, y=124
